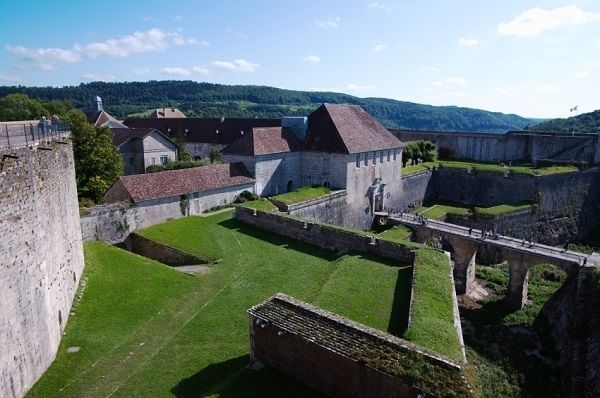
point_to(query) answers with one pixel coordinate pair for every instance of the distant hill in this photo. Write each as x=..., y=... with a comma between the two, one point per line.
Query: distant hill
x=217, y=100
x=584, y=123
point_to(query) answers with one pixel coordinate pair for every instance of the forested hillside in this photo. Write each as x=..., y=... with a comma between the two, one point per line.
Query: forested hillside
x=584, y=123
x=217, y=100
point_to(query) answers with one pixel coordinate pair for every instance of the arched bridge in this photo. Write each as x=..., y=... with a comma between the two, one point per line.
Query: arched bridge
x=463, y=244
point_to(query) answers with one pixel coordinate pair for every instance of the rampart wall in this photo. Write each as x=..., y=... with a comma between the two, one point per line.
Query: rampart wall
x=332, y=209
x=324, y=236
x=568, y=205
x=41, y=259
x=511, y=146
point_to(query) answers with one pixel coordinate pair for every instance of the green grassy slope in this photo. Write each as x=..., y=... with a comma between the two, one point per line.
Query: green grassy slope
x=147, y=330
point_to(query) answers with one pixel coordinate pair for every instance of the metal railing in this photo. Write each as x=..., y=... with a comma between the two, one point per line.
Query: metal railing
x=24, y=134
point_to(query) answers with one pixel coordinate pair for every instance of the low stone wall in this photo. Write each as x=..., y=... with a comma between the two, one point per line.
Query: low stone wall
x=342, y=358
x=157, y=251
x=331, y=208
x=112, y=223
x=328, y=237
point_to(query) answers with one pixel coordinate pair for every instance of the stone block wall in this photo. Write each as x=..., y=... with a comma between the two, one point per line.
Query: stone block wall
x=274, y=172
x=160, y=252
x=332, y=209
x=327, y=237
x=416, y=189
x=41, y=260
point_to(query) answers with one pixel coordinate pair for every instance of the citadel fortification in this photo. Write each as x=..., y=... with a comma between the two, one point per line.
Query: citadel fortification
x=41, y=258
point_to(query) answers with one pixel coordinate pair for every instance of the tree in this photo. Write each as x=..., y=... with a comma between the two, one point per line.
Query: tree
x=21, y=107
x=423, y=150
x=98, y=164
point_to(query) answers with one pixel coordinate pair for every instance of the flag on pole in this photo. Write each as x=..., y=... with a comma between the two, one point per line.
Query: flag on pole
x=573, y=109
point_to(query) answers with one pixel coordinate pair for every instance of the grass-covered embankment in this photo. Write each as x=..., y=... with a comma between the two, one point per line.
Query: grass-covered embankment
x=302, y=194
x=145, y=329
x=432, y=313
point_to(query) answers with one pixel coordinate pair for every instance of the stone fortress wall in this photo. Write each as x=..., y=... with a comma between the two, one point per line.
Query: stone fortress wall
x=41, y=259
x=567, y=205
x=513, y=146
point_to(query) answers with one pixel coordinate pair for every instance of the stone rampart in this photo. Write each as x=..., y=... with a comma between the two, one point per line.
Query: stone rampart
x=332, y=209
x=511, y=146
x=342, y=358
x=416, y=189
x=41, y=259
x=160, y=252
x=328, y=237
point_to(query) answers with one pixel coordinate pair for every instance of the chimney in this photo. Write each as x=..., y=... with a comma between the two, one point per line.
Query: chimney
x=99, y=104
x=297, y=124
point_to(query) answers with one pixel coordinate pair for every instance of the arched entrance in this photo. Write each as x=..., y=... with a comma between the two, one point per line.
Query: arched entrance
x=290, y=186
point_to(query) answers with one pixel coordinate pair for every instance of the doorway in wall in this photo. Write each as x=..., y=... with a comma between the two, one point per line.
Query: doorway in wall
x=290, y=186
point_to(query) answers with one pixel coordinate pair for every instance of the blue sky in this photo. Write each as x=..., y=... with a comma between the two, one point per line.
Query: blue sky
x=533, y=58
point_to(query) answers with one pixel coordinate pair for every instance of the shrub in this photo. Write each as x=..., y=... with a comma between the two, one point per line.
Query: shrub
x=154, y=168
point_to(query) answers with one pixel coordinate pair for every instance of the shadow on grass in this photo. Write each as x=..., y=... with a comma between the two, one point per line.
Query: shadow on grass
x=231, y=379
x=401, y=305
x=279, y=240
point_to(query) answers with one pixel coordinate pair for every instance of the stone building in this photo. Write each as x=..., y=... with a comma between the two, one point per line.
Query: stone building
x=340, y=146
x=175, y=193
x=100, y=118
x=202, y=135
x=141, y=148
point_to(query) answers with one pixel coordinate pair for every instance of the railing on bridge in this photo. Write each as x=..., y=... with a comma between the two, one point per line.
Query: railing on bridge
x=23, y=134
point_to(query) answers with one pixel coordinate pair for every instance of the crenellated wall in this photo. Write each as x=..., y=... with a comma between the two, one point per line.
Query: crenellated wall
x=41, y=259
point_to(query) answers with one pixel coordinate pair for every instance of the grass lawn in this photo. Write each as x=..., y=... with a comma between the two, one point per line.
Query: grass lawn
x=260, y=204
x=302, y=194
x=146, y=330
x=432, y=324
x=503, y=209
x=399, y=233
x=417, y=168
x=439, y=211
x=516, y=169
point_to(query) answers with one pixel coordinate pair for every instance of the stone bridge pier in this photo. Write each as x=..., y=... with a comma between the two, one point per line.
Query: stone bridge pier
x=462, y=252
x=518, y=280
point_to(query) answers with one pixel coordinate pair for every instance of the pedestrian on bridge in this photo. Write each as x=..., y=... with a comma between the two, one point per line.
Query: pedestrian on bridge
x=470, y=231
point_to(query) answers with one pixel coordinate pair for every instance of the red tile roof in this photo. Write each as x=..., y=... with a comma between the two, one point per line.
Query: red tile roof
x=264, y=141
x=167, y=112
x=166, y=184
x=102, y=118
x=122, y=135
x=347, y=129
x=207, y=130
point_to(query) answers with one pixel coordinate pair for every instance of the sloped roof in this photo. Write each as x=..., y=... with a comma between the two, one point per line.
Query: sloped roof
x=347, y=129
x=166, y=184
x=167, y=112
x=222, y=131
x=264, y=141
x=122, y=135
x=102, y=119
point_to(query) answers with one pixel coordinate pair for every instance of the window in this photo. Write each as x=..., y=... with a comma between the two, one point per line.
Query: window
x=131, y=161
x=357, y=161
x=381, y=157
x=366, y=158
x=164, y=159
x=153, y=160
x=395, y=151
x=389, y=153
x=374, y=157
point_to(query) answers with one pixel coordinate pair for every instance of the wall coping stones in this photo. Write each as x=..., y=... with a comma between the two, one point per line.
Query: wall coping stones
x=310, y=202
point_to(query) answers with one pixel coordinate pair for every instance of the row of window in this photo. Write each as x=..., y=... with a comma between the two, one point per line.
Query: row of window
x=163, y=160
x=388, y=155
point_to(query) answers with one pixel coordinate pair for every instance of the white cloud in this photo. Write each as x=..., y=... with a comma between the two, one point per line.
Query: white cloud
x=464, y=42
x=141, y=71
x=313, y=59
x=331, y=22
x=379, y=48
x=537, y=20
x=374, y=5
x=201, y=70
x=580, y=74
x=11, y=78
x=549, y=88
x=508, y=90
x=238, y=65
x=202, y=43
x=356, y=88
x=153, y=40
x=457, y=81
x=175, y=71
x=98, y=78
